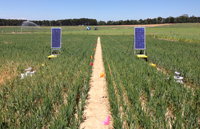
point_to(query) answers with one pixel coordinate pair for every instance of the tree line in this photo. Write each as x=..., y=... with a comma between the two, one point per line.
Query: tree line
x=159, y=20
x=65, y=22
x=85, y=21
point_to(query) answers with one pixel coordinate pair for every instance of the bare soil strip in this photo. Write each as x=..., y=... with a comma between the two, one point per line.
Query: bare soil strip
x=149, y=25
x=97, y=104
x=142, y=25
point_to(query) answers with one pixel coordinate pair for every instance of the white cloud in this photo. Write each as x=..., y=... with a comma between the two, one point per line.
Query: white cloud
x=18, y=18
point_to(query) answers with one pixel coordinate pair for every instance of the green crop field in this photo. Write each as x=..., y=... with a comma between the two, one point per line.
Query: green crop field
x=51, y=97
x=144, y=97
x=186, y=32
x=140, y=96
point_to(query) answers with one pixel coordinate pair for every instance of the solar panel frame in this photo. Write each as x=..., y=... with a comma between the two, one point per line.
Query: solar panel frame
x=56, y=39
x=137, y=42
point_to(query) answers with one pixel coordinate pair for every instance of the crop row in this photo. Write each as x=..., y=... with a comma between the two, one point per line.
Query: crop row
x=176, y=56
x=142, y=97
x=170, y=55
x=55, y=95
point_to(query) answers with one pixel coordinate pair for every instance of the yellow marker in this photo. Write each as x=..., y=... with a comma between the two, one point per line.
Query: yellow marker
x=151, y=64
x=42, y=64
x=52, y=56
x=102, y=75
x=142, y=56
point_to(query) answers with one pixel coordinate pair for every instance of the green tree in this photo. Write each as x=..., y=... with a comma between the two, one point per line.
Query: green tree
x=141, y=21
x=101, y=23
x=109, y=22
x=153, y=21
x=149, y=21
x=159, y=20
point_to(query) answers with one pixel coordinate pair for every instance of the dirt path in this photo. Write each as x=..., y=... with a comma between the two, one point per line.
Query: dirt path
x=142, y=25
x=97, y=104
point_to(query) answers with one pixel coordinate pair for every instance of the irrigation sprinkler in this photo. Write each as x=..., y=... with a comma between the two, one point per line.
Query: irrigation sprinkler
x=29, y=26
x=29, y=23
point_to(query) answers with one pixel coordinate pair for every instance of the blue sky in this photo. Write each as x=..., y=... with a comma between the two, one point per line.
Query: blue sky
x=97, y=9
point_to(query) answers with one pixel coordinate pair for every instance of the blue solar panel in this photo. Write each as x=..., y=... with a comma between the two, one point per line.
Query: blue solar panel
x=56, y=38
x=139, y=38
